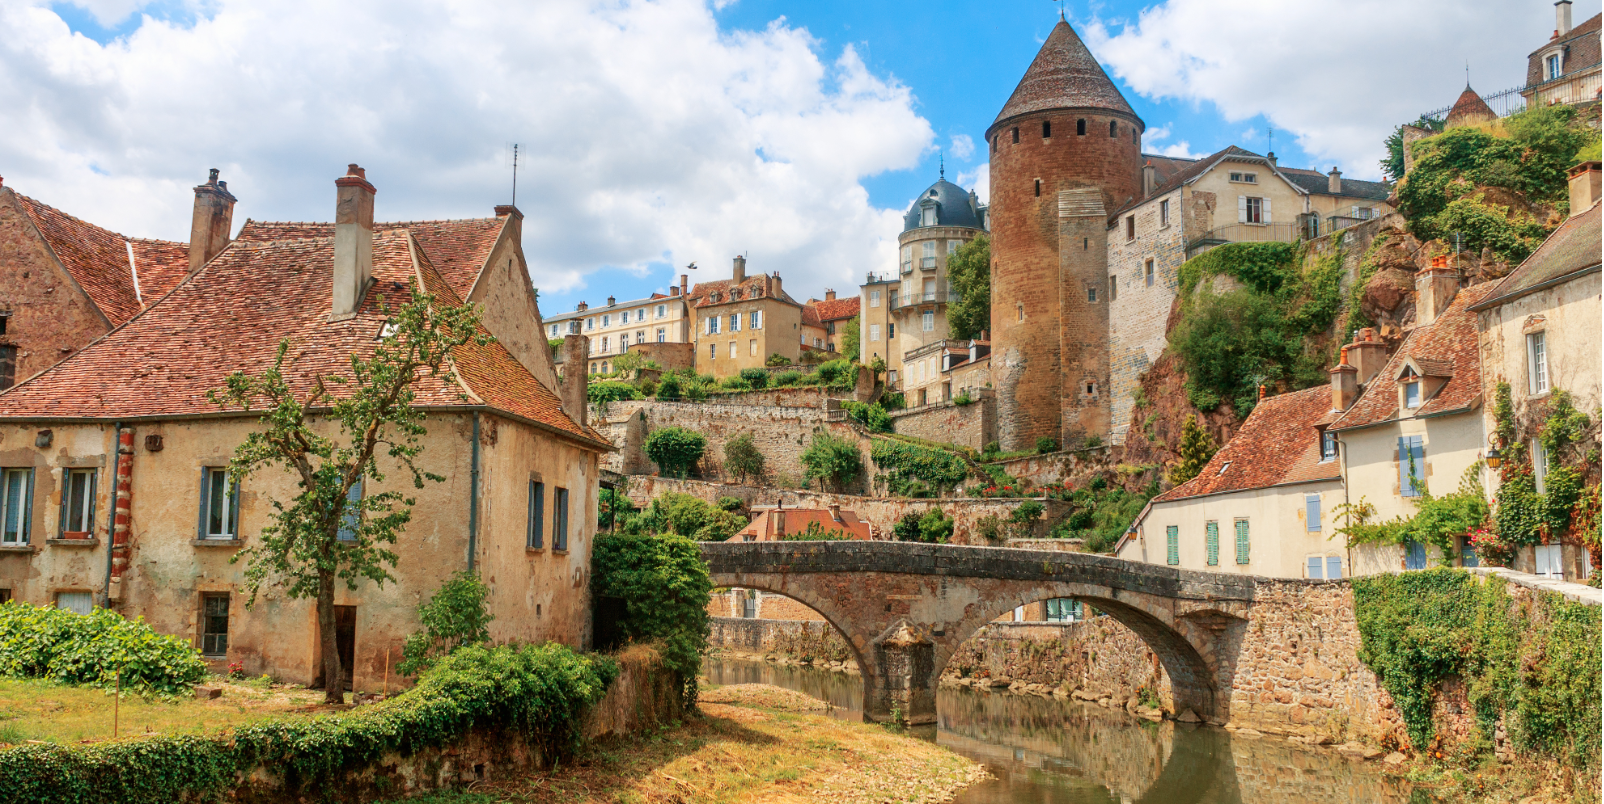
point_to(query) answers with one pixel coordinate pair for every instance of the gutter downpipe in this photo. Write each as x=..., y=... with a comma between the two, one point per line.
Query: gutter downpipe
x=473, y=496
x=111, y=521
x=1347, y=500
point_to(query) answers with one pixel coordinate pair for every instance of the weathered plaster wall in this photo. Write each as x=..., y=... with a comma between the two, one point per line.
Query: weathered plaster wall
x=511, y=312
x=1279, y=539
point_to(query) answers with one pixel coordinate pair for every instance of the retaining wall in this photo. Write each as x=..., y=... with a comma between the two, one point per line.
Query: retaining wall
x=973, y=425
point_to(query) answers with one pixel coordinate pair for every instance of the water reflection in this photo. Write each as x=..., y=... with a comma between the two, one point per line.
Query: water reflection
x=1052, y=751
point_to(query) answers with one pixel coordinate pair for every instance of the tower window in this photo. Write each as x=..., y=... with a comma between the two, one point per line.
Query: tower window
x=1085, y=244
x=994, y=145
x=1038, y=188
x=1113, y=128
x=1113, y=287
x=1021, y=309
x=1091, y=294
x=1134, y=139
x=1046, y=129
x=1080, y=127
x=1016, y=134
x=1091, y=388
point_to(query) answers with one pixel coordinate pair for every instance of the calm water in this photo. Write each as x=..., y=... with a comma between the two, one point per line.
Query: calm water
x=1052, y=751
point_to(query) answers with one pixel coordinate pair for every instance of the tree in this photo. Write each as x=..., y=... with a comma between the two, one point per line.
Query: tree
x=456, y=615
x=1197, y=447
x=851, y=339
x=675, y=450
x=742, y=458
x=1393, y=165
x=327, y=534
x=833, y=459
x=969, y=271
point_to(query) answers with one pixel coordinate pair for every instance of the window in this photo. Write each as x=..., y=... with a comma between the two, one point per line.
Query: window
x=214, y=625
x=1553, y=66
x=929, y=252
x=757, y=319
x=560, y=526
x=590, y=323
x=732, y=349
x=16, y=506
x=662, y=335
x=1063, y=610
x=1091, y=294
x=606, y=320
x=604, y=344
x=874, y=332
x=219, y=514
x=1211, y=539
x=640, y=315
x=1414, y=555
x=1316, y=568
x=535, y=536
x=1016, y=134
x=1540, y=465
x=662, y=310
x=907, y=259
x=753, y=343
x=1537, y=362
x=78, y=501
x=1311, y=512
x=1550, y=561
x=1113, y=287
x=1130, y=227
x=1252, y=209
x=1241, y=541
x=553, y=330
x=640, y=336
x=1135, y=139
x=928, y=321
x=1333, y=568
x=735, y=322
x=891, y=330
x=1411, y=465
x=712, y=351
x=1091, y=389
x=1080, y=127
x=1046, y=129
x=712, y=325
x=5, y=596
x=874, y=298
x=1172, y=540
x=1328, y=446
x=1412, y=394
x=1164, y=213
x=606, y=367
x=1147, y=273
x=1038, y=188
x=1245, y=178
x=952, y=246
x=1113, y=128
x=75, y=602
x=352, y=518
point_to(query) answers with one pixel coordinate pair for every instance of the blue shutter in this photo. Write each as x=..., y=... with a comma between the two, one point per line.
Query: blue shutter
x=1411, y=454
x=560, y=539
x=351, y=514
x=1468, y=556
x=1414, y=555
x=1311, y=504
x=1173, y=538
x=27, y=511
x=1314, y=567
x=537, y=514
x=1333, y=568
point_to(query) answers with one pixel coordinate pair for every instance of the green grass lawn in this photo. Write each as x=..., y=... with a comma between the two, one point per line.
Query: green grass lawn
x=33, y=709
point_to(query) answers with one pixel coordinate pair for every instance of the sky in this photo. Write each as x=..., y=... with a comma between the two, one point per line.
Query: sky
x=657, y=133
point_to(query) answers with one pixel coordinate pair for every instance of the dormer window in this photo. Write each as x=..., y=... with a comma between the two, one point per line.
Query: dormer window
x=1328, y=446
x=1553, y=66
x=927, y=216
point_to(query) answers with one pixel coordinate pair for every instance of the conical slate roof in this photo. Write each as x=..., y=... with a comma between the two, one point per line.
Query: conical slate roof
x=1469, y=110
x=1064, y=76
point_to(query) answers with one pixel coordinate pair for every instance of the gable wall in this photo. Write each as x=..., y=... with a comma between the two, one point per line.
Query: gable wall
x=51, y=318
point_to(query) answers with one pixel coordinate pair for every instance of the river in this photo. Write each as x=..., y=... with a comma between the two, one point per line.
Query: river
x=1056, y=751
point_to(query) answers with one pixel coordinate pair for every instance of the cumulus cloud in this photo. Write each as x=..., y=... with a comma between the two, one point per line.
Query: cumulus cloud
x=1153, y=141
x=1336, y=74
x=963, y=146
x=978, y=180
x=647, y=134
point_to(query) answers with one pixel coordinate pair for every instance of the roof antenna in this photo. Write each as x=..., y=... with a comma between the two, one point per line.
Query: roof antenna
x=1270, y=130
x=1467, y=73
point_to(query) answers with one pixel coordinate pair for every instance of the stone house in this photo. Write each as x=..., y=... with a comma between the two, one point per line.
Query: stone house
x=1567, y=68
x=1263, y=504
x=835, y=315
x=877, y=328
x=621, y=326
x=1539, y=331
x=773, y=524
x=113, y=460
x=946, y=369
x=1416, y=424
x=742, y=321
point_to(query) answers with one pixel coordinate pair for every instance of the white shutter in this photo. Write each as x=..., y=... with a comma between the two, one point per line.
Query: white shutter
x=1266, y=203
x=1241, y=209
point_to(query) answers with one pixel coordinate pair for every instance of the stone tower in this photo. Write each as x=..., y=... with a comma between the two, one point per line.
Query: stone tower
x=1065, y=154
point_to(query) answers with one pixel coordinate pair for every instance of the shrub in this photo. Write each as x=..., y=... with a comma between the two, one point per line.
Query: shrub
x=1028, y=512
x=675, y=450
x=894, y=400
x=735, y=383
x=787, y=377
x=692, y=518
x=611, y=391
x=778, y=359
x=907, y=528
x=668, y=390
x=903, y=461
x=935, y=527
x=832, y=459
x=1045, y=445
x=873, y=417
x=963, y=399
x=663, y=584
x=815, y=532
x=840, y=373
x=454, y=616
x=648, y=388
x=755, y=377
x=731, y=504
x=742, y=458
x=52, y=643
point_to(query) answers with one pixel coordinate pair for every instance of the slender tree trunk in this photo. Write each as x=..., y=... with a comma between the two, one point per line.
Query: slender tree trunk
x=333, y=675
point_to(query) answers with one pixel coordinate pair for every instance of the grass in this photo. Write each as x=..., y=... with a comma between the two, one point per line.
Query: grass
x=750, y=744
x=34, y=709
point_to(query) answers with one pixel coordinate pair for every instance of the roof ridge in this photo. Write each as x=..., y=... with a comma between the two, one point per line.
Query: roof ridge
x=376, y=224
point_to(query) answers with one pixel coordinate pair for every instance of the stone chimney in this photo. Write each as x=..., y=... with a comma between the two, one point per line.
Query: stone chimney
x=684, y=284
x=1367, y=353
x=1434, y=290
x=611, y=301
x=1334, y=181
x=1270, y=157
x=776, y=284
x=1149, y=179
x=778, y=515
x=1562, y=18
x=1344, y=383
x=211, y=223
x=739, y=275
x=1584, y=186
x=576, y=375
x=581, y=307
x=829, y=295
x=353, y=241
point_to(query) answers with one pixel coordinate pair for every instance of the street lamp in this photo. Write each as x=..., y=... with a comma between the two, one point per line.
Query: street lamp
x=1494, y=458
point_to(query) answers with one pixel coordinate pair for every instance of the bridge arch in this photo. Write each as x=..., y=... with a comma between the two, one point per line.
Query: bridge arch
x=813, y=602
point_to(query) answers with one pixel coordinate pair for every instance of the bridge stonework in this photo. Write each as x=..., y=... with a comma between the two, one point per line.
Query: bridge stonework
x=906, y=608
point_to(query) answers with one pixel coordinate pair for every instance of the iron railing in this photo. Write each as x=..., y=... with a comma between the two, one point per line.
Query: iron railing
x=1503, y=103
x=1243, y=233
x=910, y=299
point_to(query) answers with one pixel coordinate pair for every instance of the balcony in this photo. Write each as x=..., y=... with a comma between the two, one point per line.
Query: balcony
x=902, y=300
x=1243, y=233
x=927, y=263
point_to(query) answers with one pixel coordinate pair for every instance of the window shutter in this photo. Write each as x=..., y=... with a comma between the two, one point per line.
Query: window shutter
x=205, y=498
x=1241, y=209
x=66, y=493
x=1403, y=466
x=1241, y=541
x=1266, y=209
x=1172, y=536
x=27, y=511
x=1212, y=536
x=1333, y=568
x=89, y=521
x=1314, y=567
x=233, y=509
x=1312, y=511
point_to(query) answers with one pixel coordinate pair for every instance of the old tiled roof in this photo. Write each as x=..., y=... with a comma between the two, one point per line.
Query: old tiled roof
x=1167, y=166
x=1572, y=248
x=1064, y=75
x=810, y=316
x=1315, y=182
x=702, y=293
x=232, y=314
x=1581, y=45
x=98, y=260
x=1470, y=108
x=458, y=248
x=1450, y=340
x=1277, y=444
x=837, y=309
x=762, y=528
x=1182, y=173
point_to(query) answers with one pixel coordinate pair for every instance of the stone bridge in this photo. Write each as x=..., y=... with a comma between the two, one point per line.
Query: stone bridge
x=905, y=608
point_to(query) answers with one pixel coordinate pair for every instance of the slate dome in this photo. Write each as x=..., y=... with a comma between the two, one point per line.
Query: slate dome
x=954, y=207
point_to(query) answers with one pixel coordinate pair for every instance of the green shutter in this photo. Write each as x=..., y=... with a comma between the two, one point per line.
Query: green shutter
x=205, y=501
x=1212, y=531
x=233, y=509
x=1241, y=541
x=1173, y=537
x=27, y=512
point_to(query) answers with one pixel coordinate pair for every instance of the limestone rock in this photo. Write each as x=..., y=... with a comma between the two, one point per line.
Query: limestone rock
x=208, y=693
x=1395, y=758
x=1188, y=716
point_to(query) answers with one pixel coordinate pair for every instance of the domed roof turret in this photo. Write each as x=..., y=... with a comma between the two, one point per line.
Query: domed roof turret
x=954, y=206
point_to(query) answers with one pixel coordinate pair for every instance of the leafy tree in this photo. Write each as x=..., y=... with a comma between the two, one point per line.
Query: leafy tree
x=692, y=518
x=935, y=527
x=664, y=589
x=833, y=459
x=610, y=391
x=907, y=528
x=454, y=616
x=851, y=339
x=669, y=389
x=1393, y=165
x=1197, y=447
x=675, y=450
x=742, y=458
x=815, y=532
x=327, y=534
x=969, y=271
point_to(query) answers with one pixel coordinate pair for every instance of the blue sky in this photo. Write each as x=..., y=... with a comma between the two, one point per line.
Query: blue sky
x=660, y=132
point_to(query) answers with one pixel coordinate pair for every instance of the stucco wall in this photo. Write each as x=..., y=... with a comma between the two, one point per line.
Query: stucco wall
x=780, y=334
x=510, y=309
x=1280, y=542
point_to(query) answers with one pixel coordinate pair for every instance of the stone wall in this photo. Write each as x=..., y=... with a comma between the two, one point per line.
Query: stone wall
x=1055, y=467
x=1097, y=657
x=1139, y=312
x=880, y=512
x=973, y=425
x=668, y=355
x=793, y=640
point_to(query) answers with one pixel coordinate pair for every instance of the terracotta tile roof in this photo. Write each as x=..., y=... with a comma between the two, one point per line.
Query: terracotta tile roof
x=1469, y=108
x=97, y=259
x=1167, y=166
x=458, y=248
x=1183, y=173
x=232, y=314
x=762, y=528
x=1277, y=444
x=810, y=316
x=702, y=293
x=837, y=309
x=1450, y=340
x=1582, y=51
x=1064, y=75
x=1573, y=247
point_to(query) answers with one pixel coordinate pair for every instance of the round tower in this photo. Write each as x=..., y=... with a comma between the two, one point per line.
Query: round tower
x=1065, y=155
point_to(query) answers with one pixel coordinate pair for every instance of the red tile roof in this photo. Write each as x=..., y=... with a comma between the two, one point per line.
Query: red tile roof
x=1064, y=75
x=762, y=528
x=702, y=293
x=837, y=309
x=1468, y=109
x=231, y=316
x=810, y=316
x=1277, y=444
x=1449, y=344
x=98, y=260
x=458, y=248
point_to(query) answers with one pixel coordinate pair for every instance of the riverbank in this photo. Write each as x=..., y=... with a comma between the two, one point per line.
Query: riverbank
x=750, y=743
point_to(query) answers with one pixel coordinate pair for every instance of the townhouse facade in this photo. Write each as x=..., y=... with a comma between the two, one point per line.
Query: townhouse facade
x=743, y=321
x=617, y=327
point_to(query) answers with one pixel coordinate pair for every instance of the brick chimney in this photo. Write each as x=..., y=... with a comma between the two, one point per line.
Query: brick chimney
x=353, y=241
x=581, y=307
x=576, y=376
x=829, y=295
x=739, y=275
x=1149, y=179
x=1434, y=290
x=684, y=284
x=1562, y=18
x=1334, y=181
x=1584, y=186
x=611, y=301
x=776, y=284
x=1344, y=383
x=212, y=221
x=1367, y=353
x=1270, y=157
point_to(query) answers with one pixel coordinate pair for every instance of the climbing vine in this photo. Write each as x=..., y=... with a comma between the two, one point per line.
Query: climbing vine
x=1567, y=505
x=902, y=461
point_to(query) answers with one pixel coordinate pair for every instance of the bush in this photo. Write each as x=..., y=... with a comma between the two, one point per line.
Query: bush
x=611, y=391
x=668, y=390
x=778, y=359
x=907, y=528
x=675, y=450
x=815, y=532
x=755, y=377
x=1028, y=512
x=935, y=527
x=52, y=643
x=663, y=584
x=787, y=377
x=692, y=518
x=834, y=460
x=735, y=383
x=902, y=461
x=1045, y=445
x=963, y=399
x=742, y=458
x=453, y=617
x=732, y=504
x=894, y=400
x=873, y=417
x=648, y=388
x=838, y=374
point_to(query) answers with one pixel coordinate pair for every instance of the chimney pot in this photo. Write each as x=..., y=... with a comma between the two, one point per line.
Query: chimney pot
x=211, y=222
x=1344, y=385
x=1149, y=179
x=1584, y=180
x=1562, y=17
x=739, y=274
x=1435, y=288
x=611, y=301
x=1270, y=157
x=684, y=283
x=576, y=376
x=353, y=240
x=829, y=295
x=1334, y=181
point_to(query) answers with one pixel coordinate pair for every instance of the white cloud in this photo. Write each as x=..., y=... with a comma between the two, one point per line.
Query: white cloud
x=647, y=134
x=963, y=146
x=978, y=180
x=1153, y=142
x=1336, y=74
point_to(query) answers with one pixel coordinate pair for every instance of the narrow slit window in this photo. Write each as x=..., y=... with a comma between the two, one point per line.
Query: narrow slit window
x=1038, y=188
x=1080, y=127
x=1113, y=128
x=560, y=527
x=1016, y=134
x=1046, y=129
